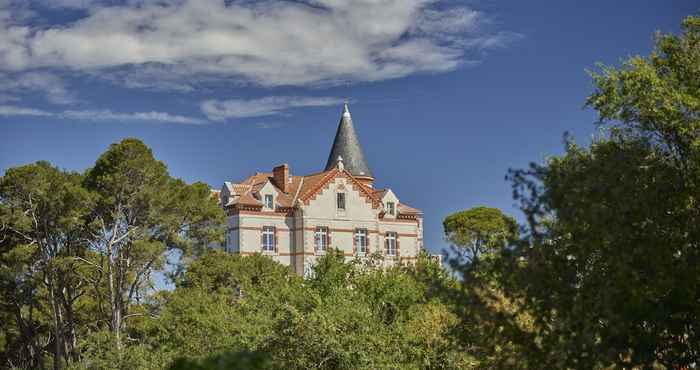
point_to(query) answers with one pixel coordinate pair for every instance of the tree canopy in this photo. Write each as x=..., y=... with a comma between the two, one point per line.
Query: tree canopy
x=603, y=274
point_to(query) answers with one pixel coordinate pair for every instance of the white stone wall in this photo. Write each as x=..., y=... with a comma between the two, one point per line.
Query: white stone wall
x=295, y=233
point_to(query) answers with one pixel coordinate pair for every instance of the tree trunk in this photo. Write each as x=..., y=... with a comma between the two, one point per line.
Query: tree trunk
x=56, y=308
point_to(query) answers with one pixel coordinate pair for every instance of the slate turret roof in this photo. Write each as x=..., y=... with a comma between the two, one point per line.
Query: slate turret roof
x=347, y=146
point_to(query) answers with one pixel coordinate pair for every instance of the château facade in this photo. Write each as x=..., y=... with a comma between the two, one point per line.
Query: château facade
x=296, y=219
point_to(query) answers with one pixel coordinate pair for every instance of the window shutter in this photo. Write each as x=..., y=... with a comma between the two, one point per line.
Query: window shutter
x=354, y=242
x=329, y=239
x=367, y=238
x=398, y=245
x=262, y=239
x=274, y=230
x=316, y=239
x=386, y=244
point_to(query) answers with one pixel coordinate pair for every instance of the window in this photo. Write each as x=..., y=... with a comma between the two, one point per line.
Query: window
x=341, y=201
x=268, y=238
x=391, y=244
x=361, y=241
x=321, y=239
x=390, y=208
x=268, y=201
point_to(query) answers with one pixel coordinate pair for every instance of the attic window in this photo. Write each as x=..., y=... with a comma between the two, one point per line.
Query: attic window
x=390, y=209
x=340, y=201
x=268, y=201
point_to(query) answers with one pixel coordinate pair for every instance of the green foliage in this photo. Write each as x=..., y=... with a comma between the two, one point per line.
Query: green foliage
x=77, y=251
x=250, y=312
x=479, y=231
x=227, y=361
x=606, y=274
x=610, y=267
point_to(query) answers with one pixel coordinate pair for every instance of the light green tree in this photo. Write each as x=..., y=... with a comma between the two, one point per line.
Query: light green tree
x=479, y=231
x=140, y=213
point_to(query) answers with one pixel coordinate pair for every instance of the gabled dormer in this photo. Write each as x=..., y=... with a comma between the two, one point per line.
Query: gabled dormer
x=227, y=193
x=390, y=202
x=267, y=194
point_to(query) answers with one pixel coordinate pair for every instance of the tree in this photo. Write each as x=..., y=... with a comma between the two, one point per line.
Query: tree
x=610, y=268
x=42, y=211
x=140, y=213
x=479, y=231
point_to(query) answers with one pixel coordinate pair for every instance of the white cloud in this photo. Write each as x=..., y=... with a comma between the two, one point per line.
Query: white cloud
x=10, y=110
x=101, y=115
x=220, y=110
x=48, y=84
x=268, y=125
x=107, y=115
x=265, y=42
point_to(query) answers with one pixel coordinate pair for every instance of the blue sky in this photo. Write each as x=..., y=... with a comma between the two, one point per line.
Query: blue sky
x=446, y=96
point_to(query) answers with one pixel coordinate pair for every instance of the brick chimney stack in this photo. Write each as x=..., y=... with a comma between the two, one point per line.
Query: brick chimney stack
x=280, y=175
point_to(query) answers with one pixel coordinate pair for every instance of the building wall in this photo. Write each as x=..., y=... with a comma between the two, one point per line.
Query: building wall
x=295, y=233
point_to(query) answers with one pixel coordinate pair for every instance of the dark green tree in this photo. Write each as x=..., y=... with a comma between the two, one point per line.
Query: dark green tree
x=42, y=212
x=610, y=267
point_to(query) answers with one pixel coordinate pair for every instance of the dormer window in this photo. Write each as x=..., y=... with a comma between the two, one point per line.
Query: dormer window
x=340, y=201
x=268, y=202
x=390, y=208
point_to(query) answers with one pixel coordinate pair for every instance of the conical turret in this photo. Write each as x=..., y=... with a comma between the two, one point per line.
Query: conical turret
x=347, y=146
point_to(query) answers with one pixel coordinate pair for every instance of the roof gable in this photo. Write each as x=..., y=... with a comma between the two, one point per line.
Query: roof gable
x=315, y=184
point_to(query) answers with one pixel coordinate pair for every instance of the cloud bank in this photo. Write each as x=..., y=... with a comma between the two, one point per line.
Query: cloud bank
x=101, y=115
x=220, y=110
x=267, y=43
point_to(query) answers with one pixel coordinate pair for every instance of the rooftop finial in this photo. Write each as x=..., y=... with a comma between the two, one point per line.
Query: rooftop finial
x=346, y=111
x=341, y=165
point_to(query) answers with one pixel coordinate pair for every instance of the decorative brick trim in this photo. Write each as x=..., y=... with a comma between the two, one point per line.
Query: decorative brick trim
x=356, y=185
x=354, y=242
x=399, y=220
x=280, y=212
x=309, y=254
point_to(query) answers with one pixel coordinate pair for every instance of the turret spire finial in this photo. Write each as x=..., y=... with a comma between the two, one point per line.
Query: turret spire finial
x=346, y=110
x=341, y=165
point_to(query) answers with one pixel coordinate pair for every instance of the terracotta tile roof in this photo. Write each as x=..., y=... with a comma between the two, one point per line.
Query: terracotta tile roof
x=407, y=210
x=379, y=193
x=299, y=187
x=247, y=199
x=313, y=182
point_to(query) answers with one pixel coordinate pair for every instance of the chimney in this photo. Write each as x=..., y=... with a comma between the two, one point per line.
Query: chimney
x=280, y=175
